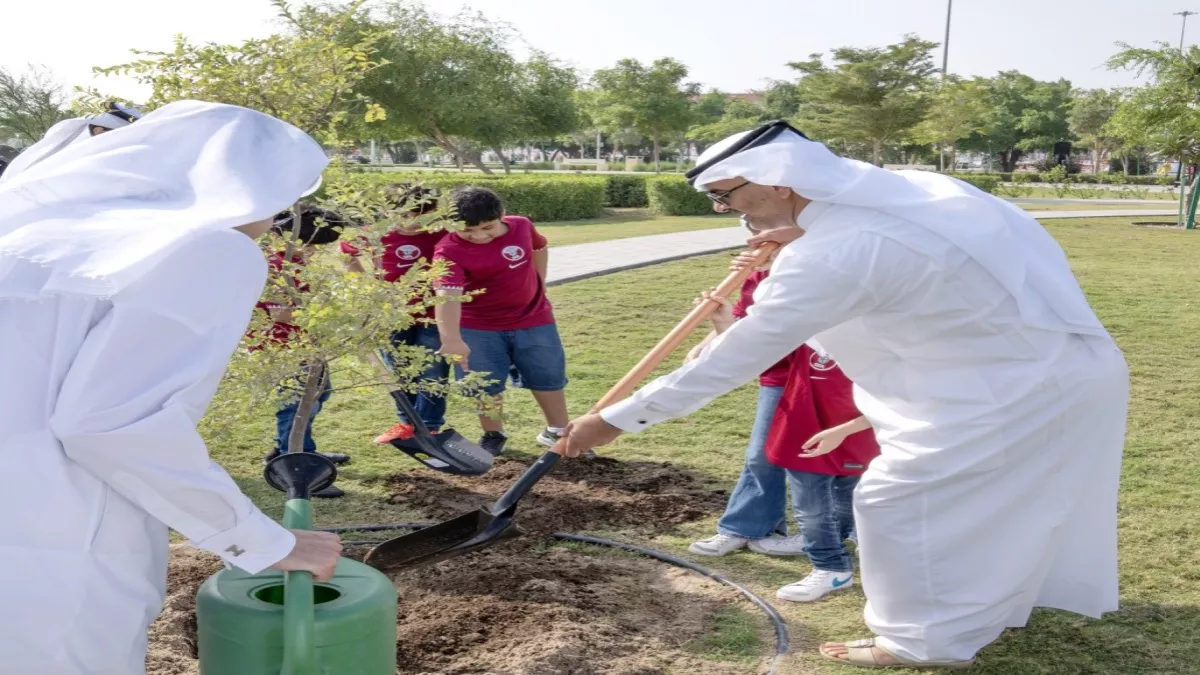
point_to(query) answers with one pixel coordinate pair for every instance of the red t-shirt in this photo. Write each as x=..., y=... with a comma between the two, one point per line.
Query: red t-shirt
x=400, y=252
x=281, y=332
x=776, y=375
x=818, y=396
x=514, y=296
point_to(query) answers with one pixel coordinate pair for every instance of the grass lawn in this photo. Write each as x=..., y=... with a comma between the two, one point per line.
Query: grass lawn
x=1086, y=192
x=622, y=223
x=1144, y=284
x=1135, y=206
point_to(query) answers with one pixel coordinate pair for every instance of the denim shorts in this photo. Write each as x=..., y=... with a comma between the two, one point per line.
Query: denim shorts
x=533, y=356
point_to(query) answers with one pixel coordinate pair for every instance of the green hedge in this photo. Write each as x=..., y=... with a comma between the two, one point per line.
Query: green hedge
x=673, y=196
x=982, y=181
x=538, y=197
x=624, y=191
x=1084, y=178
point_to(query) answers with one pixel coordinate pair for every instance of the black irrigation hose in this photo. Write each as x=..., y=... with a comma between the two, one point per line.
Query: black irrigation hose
x=782, y=641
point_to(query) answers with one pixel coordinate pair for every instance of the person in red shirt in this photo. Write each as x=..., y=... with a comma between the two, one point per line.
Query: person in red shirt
x=407, y=245
x=825, y=444
x=758, y=504
x=317, y=228
x=509, y=326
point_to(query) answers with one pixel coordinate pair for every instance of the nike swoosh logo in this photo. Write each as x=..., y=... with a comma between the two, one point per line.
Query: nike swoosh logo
x=513, y=267
x=842, y=582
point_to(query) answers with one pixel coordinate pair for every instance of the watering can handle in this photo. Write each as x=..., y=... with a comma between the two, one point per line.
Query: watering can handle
x=299, y=646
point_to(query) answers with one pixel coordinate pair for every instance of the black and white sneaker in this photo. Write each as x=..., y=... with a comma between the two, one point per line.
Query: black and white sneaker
x=548, y=437
x=493, y=442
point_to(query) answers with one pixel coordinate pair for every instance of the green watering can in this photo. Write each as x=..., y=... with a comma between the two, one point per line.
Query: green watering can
x=276, y=623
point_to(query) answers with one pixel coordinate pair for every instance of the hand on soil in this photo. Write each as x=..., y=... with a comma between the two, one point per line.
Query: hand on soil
x=315, y=552
x=585, y=433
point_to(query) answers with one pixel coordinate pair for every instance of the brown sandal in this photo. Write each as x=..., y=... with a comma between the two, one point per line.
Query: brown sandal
x=861, y=653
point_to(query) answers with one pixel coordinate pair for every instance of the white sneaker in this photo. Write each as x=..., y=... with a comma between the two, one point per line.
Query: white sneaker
x=793, y=545
x=722, y=544
x=815, y=586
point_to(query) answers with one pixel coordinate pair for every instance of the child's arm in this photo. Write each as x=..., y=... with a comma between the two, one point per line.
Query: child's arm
x=449, y=320
x=830, y=439
x=541, y=253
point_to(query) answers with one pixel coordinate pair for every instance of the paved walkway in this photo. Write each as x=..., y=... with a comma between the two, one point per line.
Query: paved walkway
x=584, y=261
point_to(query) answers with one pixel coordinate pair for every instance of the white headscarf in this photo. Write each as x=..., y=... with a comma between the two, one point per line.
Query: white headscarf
x=58, y=137
x=67, y=132
x=1009, y=243
x=96, y=215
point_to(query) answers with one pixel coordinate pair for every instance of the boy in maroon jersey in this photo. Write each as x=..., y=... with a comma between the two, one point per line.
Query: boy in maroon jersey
x=510, y=325
x=825, y=444
x=406, y=245
x=317, y=228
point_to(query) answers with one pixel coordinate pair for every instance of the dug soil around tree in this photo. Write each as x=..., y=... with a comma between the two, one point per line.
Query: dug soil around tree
x=577, y=495
x=527, y=606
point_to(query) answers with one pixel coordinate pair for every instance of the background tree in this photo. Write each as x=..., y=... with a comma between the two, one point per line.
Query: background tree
x=957, y=110
x=30, y=103
x=1162, y=115
x=1088, y=118
x=1023, y=115
x=868, y=95
x=310, y=79
x=738, y=116
x=302, y=76
x=781, y=101
x=650, y=99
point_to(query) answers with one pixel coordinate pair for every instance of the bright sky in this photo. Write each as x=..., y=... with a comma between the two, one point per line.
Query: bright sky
x=734, y=45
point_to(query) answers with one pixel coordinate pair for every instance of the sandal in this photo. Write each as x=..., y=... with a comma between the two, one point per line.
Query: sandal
x=860, y=653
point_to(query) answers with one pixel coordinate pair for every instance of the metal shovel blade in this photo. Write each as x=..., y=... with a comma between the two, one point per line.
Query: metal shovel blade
x=469, y=532
x=447, y=452
x=462, y=534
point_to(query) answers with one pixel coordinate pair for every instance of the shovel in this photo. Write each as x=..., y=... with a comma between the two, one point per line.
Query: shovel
x=465, y=533
x=447, y=451
x=482, y=527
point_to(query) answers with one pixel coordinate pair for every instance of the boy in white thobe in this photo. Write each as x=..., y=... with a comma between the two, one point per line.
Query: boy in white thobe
x=998, y=399
x=128, y=273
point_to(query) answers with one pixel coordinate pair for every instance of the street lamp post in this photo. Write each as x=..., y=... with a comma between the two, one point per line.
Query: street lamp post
x=945, y=62
x=1185, y=14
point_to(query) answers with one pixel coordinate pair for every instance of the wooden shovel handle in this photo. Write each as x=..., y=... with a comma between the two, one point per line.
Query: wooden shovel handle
x=699, y=314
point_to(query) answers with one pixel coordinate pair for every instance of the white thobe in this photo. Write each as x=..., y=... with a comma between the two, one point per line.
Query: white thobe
x=996, y=487
x=98, y=435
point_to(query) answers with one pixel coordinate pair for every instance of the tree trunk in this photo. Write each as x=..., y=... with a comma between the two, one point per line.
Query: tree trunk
x=444, y=142
x=314, y=381
x=1008, y=160
x=503, y=160
x=1096, y=157
x=877, y=152
x=656, y=146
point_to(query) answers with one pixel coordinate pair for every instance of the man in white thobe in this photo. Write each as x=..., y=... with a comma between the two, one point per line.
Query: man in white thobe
x=128, y=274
x=68, y=132
x=998, y=398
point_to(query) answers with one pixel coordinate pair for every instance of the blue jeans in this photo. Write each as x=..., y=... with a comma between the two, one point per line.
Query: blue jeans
x=430, y=408
x=757, y=506
x=824, y=506
x=532, y=357
x=285, y=417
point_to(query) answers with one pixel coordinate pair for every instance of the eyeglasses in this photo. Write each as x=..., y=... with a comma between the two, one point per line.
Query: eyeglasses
x=722, y=196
